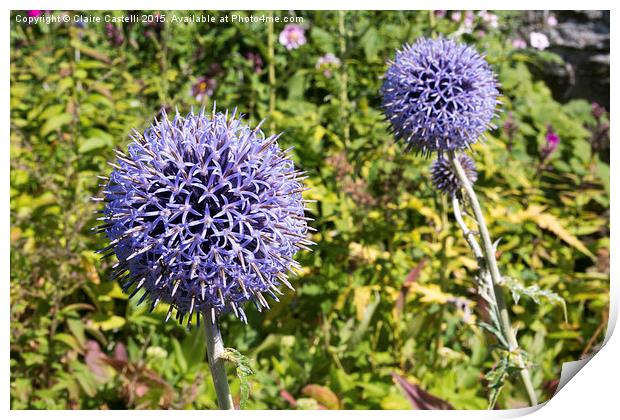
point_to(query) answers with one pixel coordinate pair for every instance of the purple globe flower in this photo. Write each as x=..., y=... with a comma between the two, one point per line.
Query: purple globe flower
x=444, y=176
x=439, y=95
x=204, y=213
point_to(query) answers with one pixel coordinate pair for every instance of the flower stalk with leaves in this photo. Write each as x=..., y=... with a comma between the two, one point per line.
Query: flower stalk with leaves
x=490, y=283
x=440, y=97
x=204, y=214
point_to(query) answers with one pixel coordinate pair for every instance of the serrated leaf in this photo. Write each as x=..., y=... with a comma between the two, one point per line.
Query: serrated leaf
x=534, y=292
x=243, y=370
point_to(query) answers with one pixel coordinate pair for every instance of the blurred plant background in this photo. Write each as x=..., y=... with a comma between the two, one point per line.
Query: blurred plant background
x=385, y=315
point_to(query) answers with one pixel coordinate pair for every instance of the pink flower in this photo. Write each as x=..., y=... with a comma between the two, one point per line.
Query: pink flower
x=469, y=19
x=292, y=36
x=204, y=86
x=256, y=60
x=468, y=22
x=552, y=20
x=552, y=139
x=552, y=142
x=519, y=43
x=490, y=19
x=35, y=13
x=327, y=63
x=598, y=110
x=539, y=40
x=440, y=13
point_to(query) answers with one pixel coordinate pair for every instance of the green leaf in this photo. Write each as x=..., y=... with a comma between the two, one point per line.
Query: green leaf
x=371, y=42
x=108, y=322
x=243, y=370
x=69, y=340
x=93, y=143
x=534, y=292
x=194, y=347
x=55, y=123
x=323, y=39
x=76, y=326
x=180, y=356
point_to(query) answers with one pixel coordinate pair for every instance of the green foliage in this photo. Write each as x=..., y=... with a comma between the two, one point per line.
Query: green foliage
x=365, y=307
x=243, y=369
x=534, y=292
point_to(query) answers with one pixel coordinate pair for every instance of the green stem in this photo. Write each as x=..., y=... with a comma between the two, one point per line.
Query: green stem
x=215, y=350
x=271, y=70
x=344, y=79
x=491, y=263
x=485, y=282
x=432, y=22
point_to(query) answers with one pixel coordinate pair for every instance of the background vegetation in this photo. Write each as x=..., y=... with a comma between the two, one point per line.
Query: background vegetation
x=385, y=314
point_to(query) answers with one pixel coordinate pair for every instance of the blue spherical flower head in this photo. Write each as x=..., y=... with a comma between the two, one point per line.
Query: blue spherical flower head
x=444, y=176
x=439, y=95
x=204, y=213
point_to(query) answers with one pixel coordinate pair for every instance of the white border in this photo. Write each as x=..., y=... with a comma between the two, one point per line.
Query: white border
x=593, y=393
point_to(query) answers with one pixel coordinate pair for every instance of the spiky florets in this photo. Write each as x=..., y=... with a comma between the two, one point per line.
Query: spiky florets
x=439, y=95
x=444, y=176
x=204, y=214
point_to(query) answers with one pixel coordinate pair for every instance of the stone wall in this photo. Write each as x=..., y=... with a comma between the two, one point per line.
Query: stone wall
x=581, y=38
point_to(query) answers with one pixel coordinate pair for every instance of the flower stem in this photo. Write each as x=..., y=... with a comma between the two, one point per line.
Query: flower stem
x=344, y=100
x=271, y=72
x=491, y=263
x=215, y=350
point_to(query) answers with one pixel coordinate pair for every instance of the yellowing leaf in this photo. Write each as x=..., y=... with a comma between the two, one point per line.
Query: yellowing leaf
x=366, y=253
x=549, y=222
x=431, y=293
x=323, y=395
x=361, y=298
x=107, y=323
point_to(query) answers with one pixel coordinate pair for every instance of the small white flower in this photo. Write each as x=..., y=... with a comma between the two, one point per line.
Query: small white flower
x=552, y=20
x=539, y=40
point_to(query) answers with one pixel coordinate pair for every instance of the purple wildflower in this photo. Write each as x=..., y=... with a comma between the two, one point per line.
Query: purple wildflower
x=552, y=140
x=256, y=60
x=519, y=43
x=114, y=34
x=35, y=13
x=204, y=87
x=292, y=36
x=444, y=177
x=440, y=13
x=598, y=110
x=204, y=213
x=327, y=63
x=510, y=128
x=439, y=95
